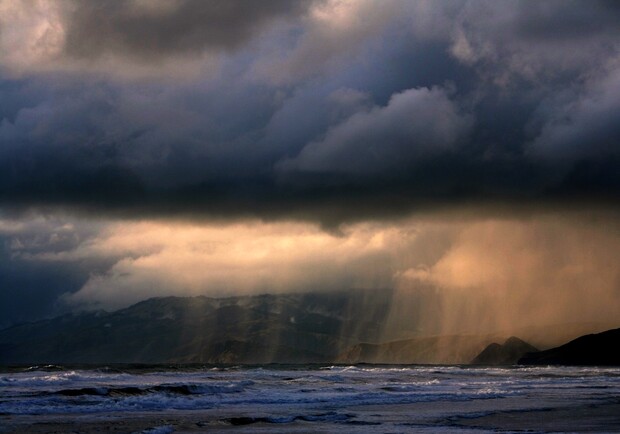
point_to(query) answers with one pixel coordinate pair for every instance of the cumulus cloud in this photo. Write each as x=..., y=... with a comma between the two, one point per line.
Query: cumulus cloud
x=588, y=117
x=415, y=126
x=452, y=274
x=334, y=33
x=30, y=287
x=31, y=33
x=188, y=147
x=131, y=36
x=535, y=41
x=158, y=29
x=326, y=111
x=242, y=258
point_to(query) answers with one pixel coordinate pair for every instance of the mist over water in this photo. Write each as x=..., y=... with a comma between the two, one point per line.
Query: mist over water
x=507, y=276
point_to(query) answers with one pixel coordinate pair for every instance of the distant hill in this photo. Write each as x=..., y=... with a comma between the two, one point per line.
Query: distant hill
x=453, y=349
x=546, y=336
x=286, y=328
x=596, y=349
x=507, y=354
x=352, y=326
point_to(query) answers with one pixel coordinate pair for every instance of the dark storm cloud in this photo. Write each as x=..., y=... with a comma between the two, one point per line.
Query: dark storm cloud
x=330, y=121
x=31, y=290
x=415, y=126
x=31, y=285
x=157, y=29
x=327, y=112
x=557, y=19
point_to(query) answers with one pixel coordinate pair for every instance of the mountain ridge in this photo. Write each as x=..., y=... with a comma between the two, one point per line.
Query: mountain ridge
x=300, y=328
x=347, y=326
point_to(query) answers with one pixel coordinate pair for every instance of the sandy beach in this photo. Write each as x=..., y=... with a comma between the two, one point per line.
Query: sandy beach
x=499, y=415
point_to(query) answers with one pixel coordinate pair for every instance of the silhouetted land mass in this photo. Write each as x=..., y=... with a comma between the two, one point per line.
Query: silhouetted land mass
x=286, y=328
x=507, y=354
x=601, y=349
x=546, y=336
x=324, y=327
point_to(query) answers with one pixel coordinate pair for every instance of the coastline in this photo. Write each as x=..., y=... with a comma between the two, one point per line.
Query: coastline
x=507, y=414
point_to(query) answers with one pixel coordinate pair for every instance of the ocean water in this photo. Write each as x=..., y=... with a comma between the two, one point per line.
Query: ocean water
x=363, y=398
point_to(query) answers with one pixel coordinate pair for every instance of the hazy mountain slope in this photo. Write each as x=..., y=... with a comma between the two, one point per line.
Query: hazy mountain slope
x=251, y=329
x=344, y=326
x=454, y=349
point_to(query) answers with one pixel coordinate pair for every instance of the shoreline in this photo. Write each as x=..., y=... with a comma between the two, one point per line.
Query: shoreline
x=508, y=414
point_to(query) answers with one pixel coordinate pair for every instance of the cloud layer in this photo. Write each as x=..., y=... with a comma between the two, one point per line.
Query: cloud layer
x=450, y=276
x=132, y=37
x=320, y=111
x=250, y=125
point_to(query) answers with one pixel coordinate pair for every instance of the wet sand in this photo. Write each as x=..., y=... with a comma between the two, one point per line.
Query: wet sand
x=587, y=418
x=511, y=415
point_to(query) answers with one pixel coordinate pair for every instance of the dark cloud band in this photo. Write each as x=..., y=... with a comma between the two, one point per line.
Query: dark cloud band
x=155, y=30
x=515, y=108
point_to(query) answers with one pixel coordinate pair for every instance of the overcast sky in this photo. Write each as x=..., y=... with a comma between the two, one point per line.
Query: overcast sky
x=383, y=132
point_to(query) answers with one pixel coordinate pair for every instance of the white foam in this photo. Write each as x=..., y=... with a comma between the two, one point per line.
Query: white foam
x=330, y=387
x=166, y=429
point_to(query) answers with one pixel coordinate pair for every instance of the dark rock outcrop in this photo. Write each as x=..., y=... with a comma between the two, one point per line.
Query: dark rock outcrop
x=601, y=349
x=507, y=354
